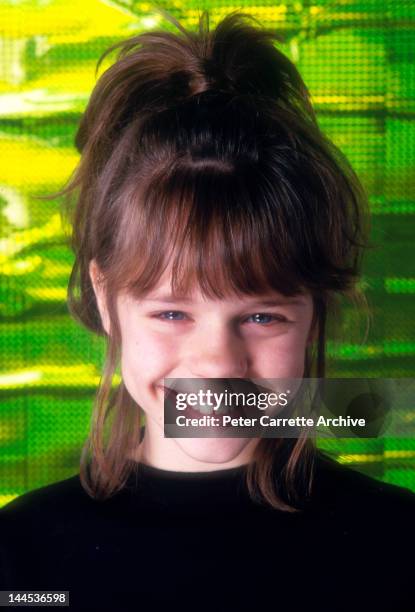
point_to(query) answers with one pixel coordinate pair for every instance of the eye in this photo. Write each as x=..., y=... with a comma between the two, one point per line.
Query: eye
x=170, y=315
x=260, y=316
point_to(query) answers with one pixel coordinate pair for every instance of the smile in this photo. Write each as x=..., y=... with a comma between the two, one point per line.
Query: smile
x=197, y=410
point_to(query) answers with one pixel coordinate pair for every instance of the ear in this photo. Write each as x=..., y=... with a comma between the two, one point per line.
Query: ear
x=97, y=280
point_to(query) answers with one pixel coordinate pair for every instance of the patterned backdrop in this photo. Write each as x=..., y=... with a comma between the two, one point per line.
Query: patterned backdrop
x=359, y=63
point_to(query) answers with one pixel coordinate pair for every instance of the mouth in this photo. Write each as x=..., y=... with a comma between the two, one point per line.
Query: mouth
x=200, y=411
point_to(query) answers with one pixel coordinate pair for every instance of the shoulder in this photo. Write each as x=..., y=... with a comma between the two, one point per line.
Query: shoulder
x=347, y=490
x=37, y=506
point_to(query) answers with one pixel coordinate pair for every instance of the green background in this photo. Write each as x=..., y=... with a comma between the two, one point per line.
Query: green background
x=358, y=61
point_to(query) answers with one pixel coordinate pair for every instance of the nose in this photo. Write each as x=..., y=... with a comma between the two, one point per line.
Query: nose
x=217, y=353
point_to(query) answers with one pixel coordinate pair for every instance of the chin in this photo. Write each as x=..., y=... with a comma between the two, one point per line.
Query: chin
x=213, y=450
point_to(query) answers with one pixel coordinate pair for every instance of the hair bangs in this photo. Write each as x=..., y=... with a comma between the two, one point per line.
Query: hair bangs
x=209, y=230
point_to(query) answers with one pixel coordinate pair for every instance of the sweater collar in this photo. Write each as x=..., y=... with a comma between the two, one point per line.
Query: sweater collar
x=188, y=492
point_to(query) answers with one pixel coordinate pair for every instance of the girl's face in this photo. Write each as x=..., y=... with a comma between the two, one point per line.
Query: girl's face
x=196, y=337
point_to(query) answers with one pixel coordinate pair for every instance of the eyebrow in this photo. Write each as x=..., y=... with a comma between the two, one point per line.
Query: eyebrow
x=170, y=299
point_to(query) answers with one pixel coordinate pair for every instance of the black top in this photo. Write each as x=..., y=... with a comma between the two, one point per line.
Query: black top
x=197, y=540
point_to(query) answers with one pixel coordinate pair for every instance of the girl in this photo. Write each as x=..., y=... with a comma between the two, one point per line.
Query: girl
x=214, y=227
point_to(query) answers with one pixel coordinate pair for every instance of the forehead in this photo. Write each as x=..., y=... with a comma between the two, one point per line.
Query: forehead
x=163, y=292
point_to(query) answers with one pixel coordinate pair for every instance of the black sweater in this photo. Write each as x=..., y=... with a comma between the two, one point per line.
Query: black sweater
x=197, y=541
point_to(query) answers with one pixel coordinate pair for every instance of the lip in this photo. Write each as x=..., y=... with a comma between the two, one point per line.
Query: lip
x=167, y=391
x=191, y=413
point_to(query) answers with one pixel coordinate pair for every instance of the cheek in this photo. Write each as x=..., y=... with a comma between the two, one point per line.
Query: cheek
x=282, y=357
x=146, y=353
x=144, y=360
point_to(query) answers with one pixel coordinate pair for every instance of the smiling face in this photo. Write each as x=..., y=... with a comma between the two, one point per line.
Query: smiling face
x=194, y=337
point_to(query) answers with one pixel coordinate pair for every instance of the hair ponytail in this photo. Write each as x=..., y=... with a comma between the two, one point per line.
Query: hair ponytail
x=156, y=70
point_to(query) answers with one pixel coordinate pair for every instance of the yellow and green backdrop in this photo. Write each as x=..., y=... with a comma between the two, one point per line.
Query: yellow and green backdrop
x=357, y=57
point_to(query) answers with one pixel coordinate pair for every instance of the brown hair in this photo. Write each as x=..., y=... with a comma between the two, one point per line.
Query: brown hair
x=202, y=150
